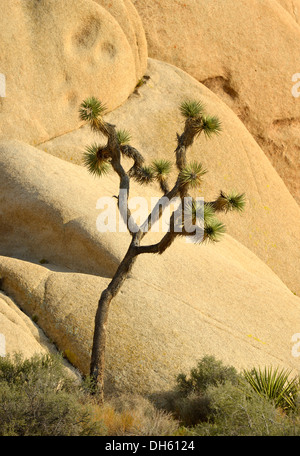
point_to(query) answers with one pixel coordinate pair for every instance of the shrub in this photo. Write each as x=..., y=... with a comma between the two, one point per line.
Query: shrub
x=135, y=415
x=215, y=399
x=209, y=371
x=188, y=403
x=188, y=410
x=239, y=411
x=39, y=398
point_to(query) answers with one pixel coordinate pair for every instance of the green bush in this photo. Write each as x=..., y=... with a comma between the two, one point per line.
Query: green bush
x=239, y=411
x=209, y=371
x=215, y=399
x=188, y=403
x=39, y=398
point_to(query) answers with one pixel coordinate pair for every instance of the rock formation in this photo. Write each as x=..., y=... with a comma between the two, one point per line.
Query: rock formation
x=245, y=52
x=56, y=52
x=235, y=299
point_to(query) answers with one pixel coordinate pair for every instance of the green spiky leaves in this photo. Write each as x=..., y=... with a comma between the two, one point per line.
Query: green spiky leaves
x=197, y=121
x=213, y=230
x=236, y=201
x=231, y=202
x=211, y=125
x=161, y=168
x=208, y=214
x=91, y=109
x=144, y=175
x=275, y=385
x=158, y=170
x=191, y=109
x=191, y=175
x=96, y=159
x=202, y=216
x=124, y=137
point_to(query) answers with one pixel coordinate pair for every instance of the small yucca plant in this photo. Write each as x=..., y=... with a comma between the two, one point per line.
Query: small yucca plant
x=232, y=201
x=274, y=384
x=236, y=201
x=92, y=110
x=205, y=218
x=214, y=230
x=145, y=175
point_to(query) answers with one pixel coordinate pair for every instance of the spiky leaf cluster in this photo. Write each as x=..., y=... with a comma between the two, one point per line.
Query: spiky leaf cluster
x=211, y=125
x=204, y=217
x=91, y=109
x=161, y=168
x=191, y=109
x=197, y=120
x=96, y=160
x=213, y=230
x=274, y=384
x=236, y=201
x=231, y=202
x=191, y=175
x=144, y=175
x=124, y=137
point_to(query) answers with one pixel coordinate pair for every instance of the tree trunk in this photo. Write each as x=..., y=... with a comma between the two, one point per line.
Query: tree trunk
x=97, y=366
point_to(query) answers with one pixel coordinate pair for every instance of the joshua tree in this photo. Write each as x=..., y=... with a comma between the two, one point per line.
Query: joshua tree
x=99, y=159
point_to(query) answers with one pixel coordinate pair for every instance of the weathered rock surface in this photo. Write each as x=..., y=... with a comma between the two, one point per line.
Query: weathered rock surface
x=234, y=299
x=21, y=335
x=293, y=7
x=56, y=52
x=129, y=20
x=214, y=299
x=219, y=300
x=246, y=52
x=269, y=226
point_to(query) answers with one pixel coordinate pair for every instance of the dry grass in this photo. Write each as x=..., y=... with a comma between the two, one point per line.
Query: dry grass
x=133, y=415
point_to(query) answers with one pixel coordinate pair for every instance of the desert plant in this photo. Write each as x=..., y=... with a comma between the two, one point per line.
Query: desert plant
x=132, y=414
x=39, y=398
x=239, y=411
x=275, y=384
x=216, y=400
x=188, y=401
x=99, y=159
x=209, y=371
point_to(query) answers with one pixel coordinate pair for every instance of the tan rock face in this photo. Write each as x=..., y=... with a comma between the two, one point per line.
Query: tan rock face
x=269, y=226
x=129, y=20
x=246, y=52
x=293, y=7
x=17, y=331
x=173, y=310
x=193, y=300
x=56, y=52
